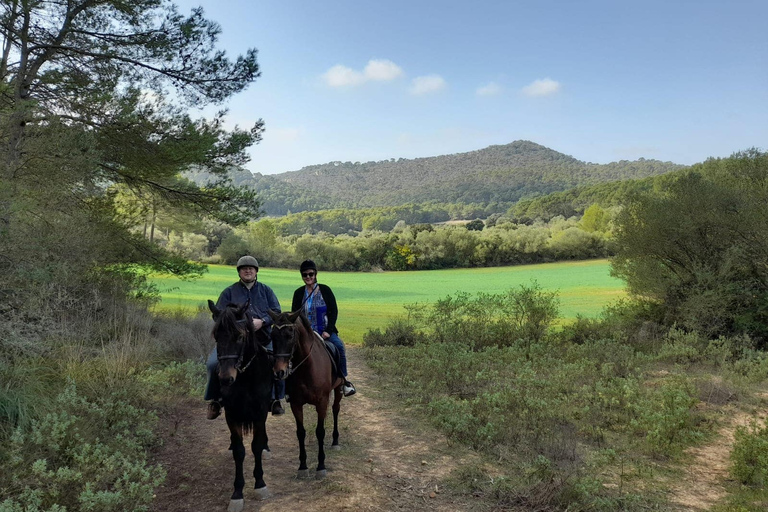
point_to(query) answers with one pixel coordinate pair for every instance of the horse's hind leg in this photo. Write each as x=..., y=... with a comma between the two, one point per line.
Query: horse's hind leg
x=258, y=445
x=236, y=502
x=337, y=394
x=301, y=434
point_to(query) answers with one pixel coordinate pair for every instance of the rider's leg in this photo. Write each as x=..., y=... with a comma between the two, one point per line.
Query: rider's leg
x=349, y=388
x=213, y=390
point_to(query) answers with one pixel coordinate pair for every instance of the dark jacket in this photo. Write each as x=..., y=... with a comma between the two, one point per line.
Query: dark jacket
x=330, y=303
x=262, y=299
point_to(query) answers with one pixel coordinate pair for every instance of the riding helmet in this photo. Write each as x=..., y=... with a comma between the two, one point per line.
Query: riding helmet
x=307, y=265
x=247, y=261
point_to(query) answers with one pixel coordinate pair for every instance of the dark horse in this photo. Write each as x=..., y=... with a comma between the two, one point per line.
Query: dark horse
x=310, y=379
x=245, y=375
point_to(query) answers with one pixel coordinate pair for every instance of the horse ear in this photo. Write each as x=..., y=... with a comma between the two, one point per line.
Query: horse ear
x=293, y=316
x=273, y=315
x=242, y=309
x=216, y=312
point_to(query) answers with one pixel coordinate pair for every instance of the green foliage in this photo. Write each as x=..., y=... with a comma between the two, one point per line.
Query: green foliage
x=698, y=246
x=399, y=332
x=665, y=417
x=176, y=378
x=559, y=416
x=88, y=455
x=749, y=457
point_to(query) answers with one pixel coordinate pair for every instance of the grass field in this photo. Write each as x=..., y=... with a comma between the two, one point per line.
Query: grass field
x=368, y=300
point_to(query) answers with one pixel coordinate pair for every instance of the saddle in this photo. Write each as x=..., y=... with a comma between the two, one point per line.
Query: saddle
x=333, y=351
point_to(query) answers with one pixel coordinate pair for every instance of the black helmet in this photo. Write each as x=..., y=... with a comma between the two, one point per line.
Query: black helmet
x=247, y=261
x=307, y=265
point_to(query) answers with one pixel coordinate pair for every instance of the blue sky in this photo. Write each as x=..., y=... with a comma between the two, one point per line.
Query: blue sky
x=601, y=81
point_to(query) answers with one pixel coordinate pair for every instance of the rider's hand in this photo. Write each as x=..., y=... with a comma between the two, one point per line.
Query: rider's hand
x=258, y=323
x=326, y=335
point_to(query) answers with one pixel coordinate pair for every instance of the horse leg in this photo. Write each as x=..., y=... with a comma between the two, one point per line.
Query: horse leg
x=236, y=502
x=258, y=445
x=337, y=394
x=322, y=410
x=301, y=434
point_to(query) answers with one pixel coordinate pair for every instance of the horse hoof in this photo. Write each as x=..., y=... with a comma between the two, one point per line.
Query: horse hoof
x=262, y=493
x=302, y=473
x=266, y=454
x=320, y=474
x=236, y=506
x=335, y=447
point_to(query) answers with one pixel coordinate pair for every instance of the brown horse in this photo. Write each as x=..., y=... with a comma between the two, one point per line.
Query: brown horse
x=245, y=375
x=310, y=378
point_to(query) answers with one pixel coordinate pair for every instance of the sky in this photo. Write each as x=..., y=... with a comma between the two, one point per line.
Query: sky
x=355, y=80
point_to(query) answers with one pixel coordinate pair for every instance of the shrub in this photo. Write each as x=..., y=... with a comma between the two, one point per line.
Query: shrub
x=399, y=332
x=87, y=455
x=749, y=457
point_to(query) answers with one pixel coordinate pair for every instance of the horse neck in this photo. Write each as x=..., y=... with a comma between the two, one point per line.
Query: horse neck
x=306, y=341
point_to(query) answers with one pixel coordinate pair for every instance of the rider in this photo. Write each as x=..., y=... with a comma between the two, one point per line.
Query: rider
x=319, y=304
x=262, y=299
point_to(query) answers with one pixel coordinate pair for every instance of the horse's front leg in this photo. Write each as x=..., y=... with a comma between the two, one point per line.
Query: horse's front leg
x=258, y=445
x=337, y=394
x=322, y=410
x=236, y=502
x=301, y=434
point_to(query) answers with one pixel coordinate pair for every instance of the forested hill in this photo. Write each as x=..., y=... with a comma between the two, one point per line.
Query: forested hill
x=500, y=174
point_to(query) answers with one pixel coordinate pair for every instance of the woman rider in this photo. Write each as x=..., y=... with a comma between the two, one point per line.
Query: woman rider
x=319, y=305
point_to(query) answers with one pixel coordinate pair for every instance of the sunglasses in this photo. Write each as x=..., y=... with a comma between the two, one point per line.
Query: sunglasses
x=307, y=274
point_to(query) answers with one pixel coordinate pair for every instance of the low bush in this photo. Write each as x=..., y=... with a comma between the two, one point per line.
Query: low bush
x=749, y=457
x=85, y=455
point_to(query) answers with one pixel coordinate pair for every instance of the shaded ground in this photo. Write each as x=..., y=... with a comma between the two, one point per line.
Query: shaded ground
x=385, y=462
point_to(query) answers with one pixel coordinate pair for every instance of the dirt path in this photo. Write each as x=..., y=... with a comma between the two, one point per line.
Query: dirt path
x=702, y=485
x=385, y=463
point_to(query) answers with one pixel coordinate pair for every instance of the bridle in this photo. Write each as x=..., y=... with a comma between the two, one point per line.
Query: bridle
x=294, y=343
x=239, y=356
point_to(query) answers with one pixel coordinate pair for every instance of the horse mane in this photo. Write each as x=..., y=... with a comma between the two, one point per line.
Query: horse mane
x=228, y=321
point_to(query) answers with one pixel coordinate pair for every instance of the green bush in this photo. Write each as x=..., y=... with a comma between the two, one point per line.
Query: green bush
x=749, y=457
x=665, y=416
x=399, y=332
x=88, y=455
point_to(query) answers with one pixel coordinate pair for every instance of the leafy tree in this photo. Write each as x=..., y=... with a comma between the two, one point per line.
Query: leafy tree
x=94, y=97
x=699, y=246
x=475, y=225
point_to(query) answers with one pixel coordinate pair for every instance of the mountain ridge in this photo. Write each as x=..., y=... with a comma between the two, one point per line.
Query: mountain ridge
x=501, y=174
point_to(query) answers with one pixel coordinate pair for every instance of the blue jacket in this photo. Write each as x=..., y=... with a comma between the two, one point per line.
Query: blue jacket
x=262, y=299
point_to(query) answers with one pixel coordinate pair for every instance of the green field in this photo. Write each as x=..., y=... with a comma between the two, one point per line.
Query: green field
x=368, y=300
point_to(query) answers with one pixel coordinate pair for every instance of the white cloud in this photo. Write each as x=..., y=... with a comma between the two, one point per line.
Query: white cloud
x=542, y=87
x=427, y=84
x=382, y=70
x=342, y=76
x=377, y=70
x=491, y=89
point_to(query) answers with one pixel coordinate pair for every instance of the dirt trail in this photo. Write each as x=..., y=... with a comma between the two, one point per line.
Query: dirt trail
x=383, y=465
x=702, y=485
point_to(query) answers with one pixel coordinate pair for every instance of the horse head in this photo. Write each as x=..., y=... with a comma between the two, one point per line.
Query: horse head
x=285, y=336
x=231, y=330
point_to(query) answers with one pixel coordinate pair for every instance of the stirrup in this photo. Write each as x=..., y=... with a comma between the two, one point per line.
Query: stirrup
x=348, y=389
